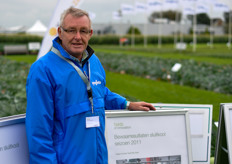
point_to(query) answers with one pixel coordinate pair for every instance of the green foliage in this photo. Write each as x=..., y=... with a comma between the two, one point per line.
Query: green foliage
x=203, y=19
x=135, y=29
x=170, y=15
x=109, y=39
x=227, y=28
x=219, y=54
x=199, y=75
x=104, y=39
x=23, y=58
x=12, y=87
x=153, y=39
x=12, y=39
x=19, y=38
x=227, y=17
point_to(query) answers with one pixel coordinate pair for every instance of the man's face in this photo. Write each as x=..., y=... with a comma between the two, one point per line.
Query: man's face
x=75, y=34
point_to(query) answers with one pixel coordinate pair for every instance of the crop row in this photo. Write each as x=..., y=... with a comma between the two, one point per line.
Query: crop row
x=12, y=87
x=195, y=74
x=201, y=75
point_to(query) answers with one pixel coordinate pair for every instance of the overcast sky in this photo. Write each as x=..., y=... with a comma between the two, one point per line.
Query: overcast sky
x=26, y=12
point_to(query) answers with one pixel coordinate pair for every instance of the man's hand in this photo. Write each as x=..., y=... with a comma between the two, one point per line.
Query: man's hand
x=143, y=106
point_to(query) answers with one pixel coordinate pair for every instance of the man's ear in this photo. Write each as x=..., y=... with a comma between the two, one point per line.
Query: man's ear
x=59, y=31
x=91, y=32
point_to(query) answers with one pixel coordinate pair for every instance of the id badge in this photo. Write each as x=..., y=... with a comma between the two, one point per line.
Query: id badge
x=92, y=122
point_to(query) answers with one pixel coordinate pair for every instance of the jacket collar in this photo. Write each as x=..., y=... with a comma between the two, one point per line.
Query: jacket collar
x=90, y=53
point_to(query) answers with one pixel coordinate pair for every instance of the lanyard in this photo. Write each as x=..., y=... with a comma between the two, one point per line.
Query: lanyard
x=81, y=74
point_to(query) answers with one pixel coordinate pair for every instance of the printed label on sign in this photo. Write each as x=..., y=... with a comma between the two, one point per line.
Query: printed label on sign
x=92, y=122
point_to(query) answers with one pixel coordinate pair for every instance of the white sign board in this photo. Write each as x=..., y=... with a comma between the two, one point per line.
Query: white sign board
x=200, y=117
x=13, y=141
x=155, y=136
x=176, y=67
x=223, y=151
x=181, y=46
x=32, y=46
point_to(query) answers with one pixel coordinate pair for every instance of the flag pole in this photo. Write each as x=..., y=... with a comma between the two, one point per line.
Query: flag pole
x=160, y=33
x=145, y=32
x=160, y=27
x=145, y=29
x=132, y=35
x=194, y=29
x=211, y=26
x=121, y=23
x=229, y=33
x=176, y=28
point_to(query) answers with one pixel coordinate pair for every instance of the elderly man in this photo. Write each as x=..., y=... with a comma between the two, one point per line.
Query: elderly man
x=67, y=98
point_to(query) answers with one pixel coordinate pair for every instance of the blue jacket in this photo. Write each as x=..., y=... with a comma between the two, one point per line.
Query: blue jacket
x=57, y=107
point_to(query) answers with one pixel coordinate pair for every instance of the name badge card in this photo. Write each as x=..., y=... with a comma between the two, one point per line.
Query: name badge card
x=92, y=122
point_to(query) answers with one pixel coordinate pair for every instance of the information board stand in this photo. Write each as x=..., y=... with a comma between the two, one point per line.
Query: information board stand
x=148, y=137
x=13, y=141
x=200, y=117
x=223, y=152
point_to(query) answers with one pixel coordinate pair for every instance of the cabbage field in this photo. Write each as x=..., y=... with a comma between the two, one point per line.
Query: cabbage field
x=12, y=87
x=200, y=75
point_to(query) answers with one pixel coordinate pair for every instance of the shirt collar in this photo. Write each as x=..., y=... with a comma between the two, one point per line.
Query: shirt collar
x=84, y=56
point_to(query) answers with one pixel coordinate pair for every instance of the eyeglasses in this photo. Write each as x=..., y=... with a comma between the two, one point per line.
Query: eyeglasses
x=83, y=32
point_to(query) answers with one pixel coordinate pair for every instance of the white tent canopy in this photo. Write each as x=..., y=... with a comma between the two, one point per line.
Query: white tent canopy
x=37, y=29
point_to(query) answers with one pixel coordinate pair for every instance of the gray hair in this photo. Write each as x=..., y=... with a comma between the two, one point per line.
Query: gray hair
x=75, y=12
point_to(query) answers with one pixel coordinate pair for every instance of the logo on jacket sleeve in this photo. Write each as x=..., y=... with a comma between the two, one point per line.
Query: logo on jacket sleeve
x=96, y=82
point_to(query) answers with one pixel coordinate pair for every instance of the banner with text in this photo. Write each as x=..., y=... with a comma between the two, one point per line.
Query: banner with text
x=161, y=136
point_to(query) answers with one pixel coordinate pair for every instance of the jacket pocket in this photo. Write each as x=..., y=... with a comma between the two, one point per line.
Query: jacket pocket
x=72, y=110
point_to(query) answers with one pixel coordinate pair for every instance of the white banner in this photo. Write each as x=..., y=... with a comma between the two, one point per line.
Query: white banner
x=54, y=23
x=171, y=4
x=202, y=8
x=154, y=5
x=127, y=9
x=191, y=1
x=131, y=138
x=225, y=2
x=140, y=7
x=211, y=1
x=218, y=6
x=116, y=15
x=188, y=11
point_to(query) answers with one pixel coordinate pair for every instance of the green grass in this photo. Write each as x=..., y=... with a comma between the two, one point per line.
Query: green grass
x=164, y=92
x=219, y=54
x=22, y=58
x=212, y=160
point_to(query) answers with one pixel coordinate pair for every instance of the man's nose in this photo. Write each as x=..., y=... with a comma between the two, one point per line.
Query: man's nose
x=78, y=35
